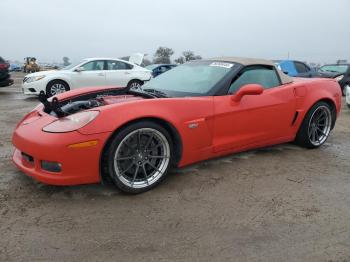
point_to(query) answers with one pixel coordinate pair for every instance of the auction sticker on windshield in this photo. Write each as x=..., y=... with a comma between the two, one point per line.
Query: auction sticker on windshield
x=221, y=64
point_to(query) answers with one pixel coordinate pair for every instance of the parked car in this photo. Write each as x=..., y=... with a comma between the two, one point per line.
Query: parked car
x=5, y=78
x=158, y=69
x=15, y=68
x=296, y=68
x=340, y=72
x=89, y=72
x=196, y=111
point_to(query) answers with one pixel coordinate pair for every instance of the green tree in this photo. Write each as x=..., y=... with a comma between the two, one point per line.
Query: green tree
x=180, y=60
x=189, y=55
x=66, y=61
x=162, y=55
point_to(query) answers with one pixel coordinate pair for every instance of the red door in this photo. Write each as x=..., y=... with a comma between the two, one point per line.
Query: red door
x=256, y=119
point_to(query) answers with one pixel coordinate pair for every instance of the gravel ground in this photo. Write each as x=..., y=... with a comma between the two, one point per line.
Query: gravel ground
x=281, y=203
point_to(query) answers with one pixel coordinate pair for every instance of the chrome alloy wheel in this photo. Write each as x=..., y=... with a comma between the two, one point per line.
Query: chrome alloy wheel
x=135, y=85
x=57, y=89
x=320, y=125
x=142, y=158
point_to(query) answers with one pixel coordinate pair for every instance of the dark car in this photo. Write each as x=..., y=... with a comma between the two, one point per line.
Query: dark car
x=5, y=79
x=158, y=69
x=296, y=68
x=340, y=72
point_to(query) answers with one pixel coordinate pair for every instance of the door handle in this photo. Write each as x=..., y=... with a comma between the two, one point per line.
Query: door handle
x=101, y=74
x=127, y=73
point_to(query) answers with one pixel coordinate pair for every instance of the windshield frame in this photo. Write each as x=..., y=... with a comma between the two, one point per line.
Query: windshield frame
x=218, y=88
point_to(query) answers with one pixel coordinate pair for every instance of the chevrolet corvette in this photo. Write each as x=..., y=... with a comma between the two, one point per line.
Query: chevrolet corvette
x=197, y=111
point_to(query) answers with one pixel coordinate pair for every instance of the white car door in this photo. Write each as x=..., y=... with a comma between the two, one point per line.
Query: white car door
x=92, y=74
x=118, y=73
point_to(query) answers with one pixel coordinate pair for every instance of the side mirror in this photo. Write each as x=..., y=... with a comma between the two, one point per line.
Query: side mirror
x=249, y=89
x=79, y=69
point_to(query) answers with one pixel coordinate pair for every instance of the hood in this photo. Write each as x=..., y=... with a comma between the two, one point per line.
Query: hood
x=40, y=73
x=136, y=58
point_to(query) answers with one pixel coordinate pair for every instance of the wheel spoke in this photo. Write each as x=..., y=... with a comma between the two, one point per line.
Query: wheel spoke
x=138, y=140
x=313, y=134
x=122, y=173
x=320, y=130
x=124, y=158
x=154, y=147
x=145, y=173
x=135, y=175
x=149, y=141
x=161, y=157
x=154, y=167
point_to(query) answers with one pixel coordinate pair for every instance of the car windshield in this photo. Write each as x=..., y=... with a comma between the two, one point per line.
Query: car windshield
x=190, y=79
x=72, y=65
x=335, y=68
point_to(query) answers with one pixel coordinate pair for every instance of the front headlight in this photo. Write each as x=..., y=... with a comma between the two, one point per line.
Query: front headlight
x=71, y=123
x=338, y=78
x=34, y=78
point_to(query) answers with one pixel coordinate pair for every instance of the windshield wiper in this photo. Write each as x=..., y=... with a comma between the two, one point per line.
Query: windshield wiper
x=156, y=92
x=142, y=93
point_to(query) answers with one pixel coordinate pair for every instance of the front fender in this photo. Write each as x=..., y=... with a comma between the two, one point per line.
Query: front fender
x=191, y=117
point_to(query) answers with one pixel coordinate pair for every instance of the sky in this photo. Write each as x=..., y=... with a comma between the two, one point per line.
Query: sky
x=307, y=30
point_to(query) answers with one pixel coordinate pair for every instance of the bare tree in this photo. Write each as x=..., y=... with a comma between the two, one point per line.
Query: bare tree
x=180, y=60
x=162, y=55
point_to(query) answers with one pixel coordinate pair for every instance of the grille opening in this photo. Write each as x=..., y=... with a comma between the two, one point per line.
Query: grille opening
x=27, y=158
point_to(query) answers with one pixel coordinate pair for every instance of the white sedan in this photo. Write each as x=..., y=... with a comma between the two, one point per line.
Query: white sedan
x=347, y=95
x=89, y=72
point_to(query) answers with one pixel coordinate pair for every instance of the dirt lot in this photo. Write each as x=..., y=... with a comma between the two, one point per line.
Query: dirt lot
x=282, y=203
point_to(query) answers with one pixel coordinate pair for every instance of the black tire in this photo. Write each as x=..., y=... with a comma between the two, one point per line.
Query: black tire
x=308, y=126
x=130, y=172
x=56, y=87
x=134, y=84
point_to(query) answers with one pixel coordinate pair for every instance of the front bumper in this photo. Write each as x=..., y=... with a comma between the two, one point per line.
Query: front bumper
x=79, y=165
x=32, y=88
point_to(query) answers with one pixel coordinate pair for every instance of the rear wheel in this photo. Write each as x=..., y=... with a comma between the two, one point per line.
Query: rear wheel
x=316, y=126
x=56, y=87
x=139, y=157
x=135, y=84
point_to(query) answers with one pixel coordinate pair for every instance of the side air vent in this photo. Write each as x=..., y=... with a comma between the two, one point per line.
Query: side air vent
x=295, y=118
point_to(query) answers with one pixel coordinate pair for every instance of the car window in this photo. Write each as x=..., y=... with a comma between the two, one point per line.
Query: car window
x=265, y=76
x=301, y=68
x=117, y=65
x=93, y=65
x=335, y=68
x=162, y=69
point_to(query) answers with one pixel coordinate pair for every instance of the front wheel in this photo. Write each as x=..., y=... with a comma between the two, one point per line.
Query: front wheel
x=347, y=94
x=316, y=126
x=139, y=157
x=56, y=87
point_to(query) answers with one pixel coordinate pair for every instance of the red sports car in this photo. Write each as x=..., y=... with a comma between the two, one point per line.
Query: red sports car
x=196, y=111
